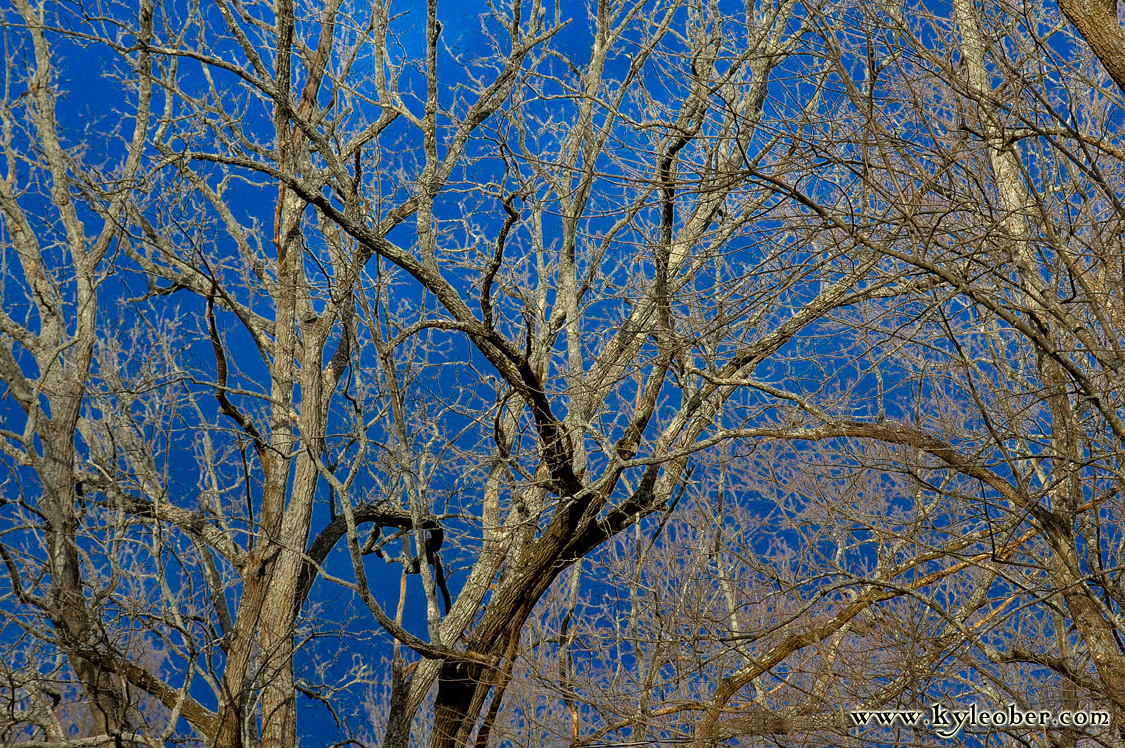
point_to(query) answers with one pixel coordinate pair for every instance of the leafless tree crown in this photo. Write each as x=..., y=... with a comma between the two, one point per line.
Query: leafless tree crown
x=575, y=374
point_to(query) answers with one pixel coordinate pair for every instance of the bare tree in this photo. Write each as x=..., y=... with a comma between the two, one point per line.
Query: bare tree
x=798, y=323
x=61, y=231
x=929, y=511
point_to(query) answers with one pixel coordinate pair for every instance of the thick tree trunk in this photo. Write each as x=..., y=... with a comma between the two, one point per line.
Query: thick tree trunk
x=68, y=610
x=1098, y=23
